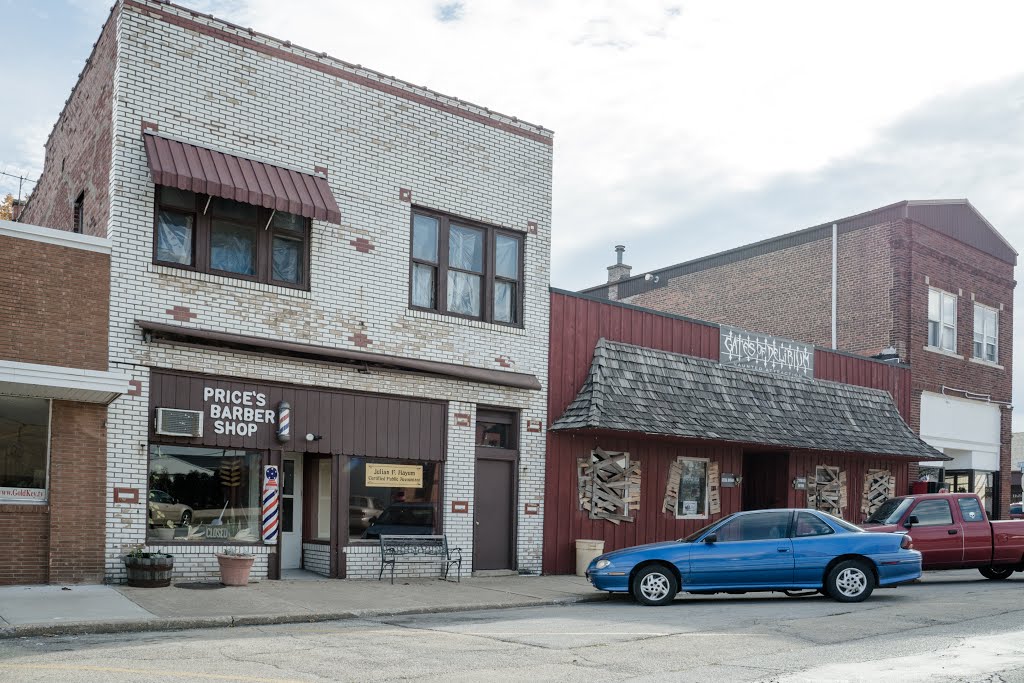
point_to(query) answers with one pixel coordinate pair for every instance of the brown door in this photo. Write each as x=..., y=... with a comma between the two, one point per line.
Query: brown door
x=494, y=505
x=764, y=480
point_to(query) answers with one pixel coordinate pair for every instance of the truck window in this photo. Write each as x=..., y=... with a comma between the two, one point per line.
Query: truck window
x=970, y=510
x=933, y=513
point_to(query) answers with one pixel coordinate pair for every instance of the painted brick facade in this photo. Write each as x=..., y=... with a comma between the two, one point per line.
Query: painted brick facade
x=209, y=83
x=883, y=276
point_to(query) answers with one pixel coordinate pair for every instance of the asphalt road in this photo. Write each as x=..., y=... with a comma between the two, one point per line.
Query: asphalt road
x=953, y=626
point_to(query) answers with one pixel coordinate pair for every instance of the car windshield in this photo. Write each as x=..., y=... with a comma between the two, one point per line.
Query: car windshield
x=696, y=534
x=841, y=523
x=889, y=512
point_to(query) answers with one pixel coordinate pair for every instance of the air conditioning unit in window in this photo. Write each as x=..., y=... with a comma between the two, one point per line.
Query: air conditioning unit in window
x=174, y=422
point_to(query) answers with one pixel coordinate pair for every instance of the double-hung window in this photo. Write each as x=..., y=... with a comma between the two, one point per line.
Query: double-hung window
x=942, y=320
x=466, y=269
x=986, y=333
x=229, y=238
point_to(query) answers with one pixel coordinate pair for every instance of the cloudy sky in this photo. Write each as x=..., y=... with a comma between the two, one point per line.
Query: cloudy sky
x=682, y=128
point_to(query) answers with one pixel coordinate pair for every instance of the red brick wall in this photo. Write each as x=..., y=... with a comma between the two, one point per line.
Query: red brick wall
x=59, y=316
x=79, y=150
x=962, y=270
x=784, y=293
x=24, y=540
x=77, y=492
x=63, y=541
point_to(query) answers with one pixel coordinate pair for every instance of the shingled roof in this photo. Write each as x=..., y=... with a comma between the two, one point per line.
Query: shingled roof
x=637, y=389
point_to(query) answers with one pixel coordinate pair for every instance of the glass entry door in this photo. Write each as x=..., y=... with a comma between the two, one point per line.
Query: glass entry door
x=291, y=511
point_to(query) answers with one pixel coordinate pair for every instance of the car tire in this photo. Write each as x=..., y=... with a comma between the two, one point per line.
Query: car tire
x=186, y=517
x=850, y=581
x=655, y=585
x=996, y=573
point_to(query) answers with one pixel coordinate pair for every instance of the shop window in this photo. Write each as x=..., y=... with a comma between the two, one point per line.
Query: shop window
x=942, y=320
x=496, y=429
x=24, y=449
x=225, y=237
x=391, y=497
x=466, y=269
x=692, y=502
x=204, y=494
x=933, y=513
x=323, y=498
x=986, y=333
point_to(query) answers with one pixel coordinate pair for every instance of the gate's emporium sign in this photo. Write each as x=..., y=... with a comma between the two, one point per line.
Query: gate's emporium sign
x=763, y=352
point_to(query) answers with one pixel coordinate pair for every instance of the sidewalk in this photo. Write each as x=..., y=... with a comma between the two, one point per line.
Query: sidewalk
x=51, y=610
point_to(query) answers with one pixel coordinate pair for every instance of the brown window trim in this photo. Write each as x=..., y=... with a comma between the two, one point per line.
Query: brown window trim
x=201, y=230
x=488, y=276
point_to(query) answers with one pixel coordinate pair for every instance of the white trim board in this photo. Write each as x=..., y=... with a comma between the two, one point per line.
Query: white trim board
x=69, y=384
x=62, y=238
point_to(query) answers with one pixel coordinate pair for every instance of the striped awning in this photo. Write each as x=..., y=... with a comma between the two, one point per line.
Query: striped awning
x=205, y=171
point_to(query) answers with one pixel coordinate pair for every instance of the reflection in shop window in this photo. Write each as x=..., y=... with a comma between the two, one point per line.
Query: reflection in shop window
x=203, y=494
x=24, y=444
x=323, y=508
x=389, y=497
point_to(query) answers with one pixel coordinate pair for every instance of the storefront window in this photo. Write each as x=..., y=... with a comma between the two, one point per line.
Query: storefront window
x=204, y=494
x=388, y=497
x=323, y=510
x=693, y=489
x=24, y=446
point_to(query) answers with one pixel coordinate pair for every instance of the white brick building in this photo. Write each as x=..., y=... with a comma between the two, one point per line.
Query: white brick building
x=265, y=301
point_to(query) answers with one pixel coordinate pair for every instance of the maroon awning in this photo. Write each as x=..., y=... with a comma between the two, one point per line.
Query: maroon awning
x=206, y=171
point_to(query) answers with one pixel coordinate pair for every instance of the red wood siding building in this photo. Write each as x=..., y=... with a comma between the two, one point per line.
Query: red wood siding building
x=578, y=322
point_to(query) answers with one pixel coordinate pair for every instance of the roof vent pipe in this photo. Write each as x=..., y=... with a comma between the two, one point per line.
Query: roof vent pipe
x=620, y=249
x=620, y=270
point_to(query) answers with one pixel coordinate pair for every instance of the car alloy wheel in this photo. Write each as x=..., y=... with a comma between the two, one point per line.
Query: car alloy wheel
x=850, y=581
x=655, y=585
x=186, y=518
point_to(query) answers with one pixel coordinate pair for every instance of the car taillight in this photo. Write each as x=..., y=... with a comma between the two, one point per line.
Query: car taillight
x=907, y=543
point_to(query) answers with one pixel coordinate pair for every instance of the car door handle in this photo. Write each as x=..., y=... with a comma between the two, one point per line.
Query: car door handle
x=951, y=532
x=783, y=550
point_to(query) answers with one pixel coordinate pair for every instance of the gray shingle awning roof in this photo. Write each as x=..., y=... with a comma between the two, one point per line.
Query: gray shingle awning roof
x=636, y=389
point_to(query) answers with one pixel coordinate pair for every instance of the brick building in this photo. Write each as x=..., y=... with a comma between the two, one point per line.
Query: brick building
x=55, y=384
x=315, y=267
x=927, y=282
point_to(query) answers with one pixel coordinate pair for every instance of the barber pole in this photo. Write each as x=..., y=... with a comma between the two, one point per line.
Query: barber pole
x=284, y=421
x=270, y=503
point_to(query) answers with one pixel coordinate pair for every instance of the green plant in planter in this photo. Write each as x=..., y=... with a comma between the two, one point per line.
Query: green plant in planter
x=148, y=569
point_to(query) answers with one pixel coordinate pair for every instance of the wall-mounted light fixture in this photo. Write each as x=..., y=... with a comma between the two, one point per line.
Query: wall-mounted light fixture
x=313, y=437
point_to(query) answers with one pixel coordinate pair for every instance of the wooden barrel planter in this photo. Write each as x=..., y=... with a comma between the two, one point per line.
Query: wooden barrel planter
x=149, y=570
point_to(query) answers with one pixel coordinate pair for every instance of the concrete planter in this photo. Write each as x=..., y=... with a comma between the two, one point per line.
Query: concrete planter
x=152, y=570
x=234, y=569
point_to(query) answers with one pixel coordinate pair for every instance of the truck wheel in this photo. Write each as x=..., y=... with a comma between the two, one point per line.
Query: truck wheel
x=996, y=573
x=655, y=584
x=850, y=581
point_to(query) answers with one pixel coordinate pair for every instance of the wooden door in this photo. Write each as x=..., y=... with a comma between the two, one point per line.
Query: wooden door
x=494, y=520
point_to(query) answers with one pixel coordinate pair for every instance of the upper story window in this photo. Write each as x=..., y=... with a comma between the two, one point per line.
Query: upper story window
x=986, y=333
x=466, y=269
x=78, y=213
x=942, y=320
x=225, y=237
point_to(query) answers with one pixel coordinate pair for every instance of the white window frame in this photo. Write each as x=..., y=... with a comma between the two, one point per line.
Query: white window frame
x=707, y=489
x=8, y=500
x=985, y=336
x=940, y=321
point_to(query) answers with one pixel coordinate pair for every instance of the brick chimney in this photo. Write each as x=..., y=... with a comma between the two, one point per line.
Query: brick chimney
x=16, y=208
x=620, y=270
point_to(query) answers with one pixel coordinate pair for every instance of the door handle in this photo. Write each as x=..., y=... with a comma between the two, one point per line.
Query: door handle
x=783, y=550
x=951, y=532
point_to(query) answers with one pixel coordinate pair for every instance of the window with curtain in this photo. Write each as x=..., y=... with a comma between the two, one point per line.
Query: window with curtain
x=234, y=239
x=942, y=320
x=467, y=269
x=986, y=333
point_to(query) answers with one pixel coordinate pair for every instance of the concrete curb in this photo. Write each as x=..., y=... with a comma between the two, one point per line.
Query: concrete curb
x=188, y=623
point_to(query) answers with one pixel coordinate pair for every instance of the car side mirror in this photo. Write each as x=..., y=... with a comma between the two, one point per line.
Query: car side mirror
x=911, y=521
x=711, y=538
x=373, y=520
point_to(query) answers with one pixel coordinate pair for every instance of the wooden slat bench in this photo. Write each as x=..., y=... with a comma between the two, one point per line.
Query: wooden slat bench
x=394, y=549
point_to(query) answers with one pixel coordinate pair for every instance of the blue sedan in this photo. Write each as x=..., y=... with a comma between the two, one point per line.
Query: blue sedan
x=762, y=550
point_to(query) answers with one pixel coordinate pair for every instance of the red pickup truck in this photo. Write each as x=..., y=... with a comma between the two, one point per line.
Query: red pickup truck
x=952, y=531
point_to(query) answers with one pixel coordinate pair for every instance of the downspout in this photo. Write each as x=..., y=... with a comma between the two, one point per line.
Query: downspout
x=835, y=278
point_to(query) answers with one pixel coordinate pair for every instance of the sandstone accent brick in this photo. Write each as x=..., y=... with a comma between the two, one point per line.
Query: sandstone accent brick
x=362, y=245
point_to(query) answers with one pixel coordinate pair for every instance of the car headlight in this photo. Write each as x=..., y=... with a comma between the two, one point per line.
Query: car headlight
x=601, y=564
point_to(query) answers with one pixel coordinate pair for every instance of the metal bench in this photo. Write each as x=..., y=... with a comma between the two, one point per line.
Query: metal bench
x=394, y=549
